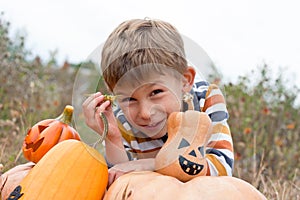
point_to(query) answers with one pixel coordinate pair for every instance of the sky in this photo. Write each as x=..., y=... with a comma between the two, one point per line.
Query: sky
x=238, y=35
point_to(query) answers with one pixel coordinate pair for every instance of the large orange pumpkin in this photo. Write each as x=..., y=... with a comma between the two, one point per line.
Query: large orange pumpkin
x=70, y=170
x=183, y=154
x=47, y=133
x=146, y=185
x=11, y=178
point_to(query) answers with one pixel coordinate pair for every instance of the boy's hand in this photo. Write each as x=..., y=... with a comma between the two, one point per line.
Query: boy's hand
x=136, y=165
x=92, y=107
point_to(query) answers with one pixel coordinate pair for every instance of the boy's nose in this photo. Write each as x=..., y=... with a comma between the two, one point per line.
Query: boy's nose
x=146, y=110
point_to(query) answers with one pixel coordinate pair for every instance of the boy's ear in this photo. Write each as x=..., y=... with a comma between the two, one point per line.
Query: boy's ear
x=189, y=76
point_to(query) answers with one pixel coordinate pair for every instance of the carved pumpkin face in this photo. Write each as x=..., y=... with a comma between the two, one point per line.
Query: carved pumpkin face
x=47, y=133
x=187, y=165
x=130, y=186
x=182, y=156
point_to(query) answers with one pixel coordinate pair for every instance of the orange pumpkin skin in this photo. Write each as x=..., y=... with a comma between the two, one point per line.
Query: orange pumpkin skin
x=70, y=170
x=151, y=185
x=10, y=179
x=47, y=133
x=183, y=154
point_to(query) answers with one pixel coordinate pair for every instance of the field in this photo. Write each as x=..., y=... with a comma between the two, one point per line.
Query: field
x=264, y=119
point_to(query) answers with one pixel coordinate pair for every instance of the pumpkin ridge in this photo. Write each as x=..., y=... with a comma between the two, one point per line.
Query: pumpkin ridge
x=78, y=155
x=76, y=152
x=65, y=134
x=91, y=181
x=54, y=138
x=86, y=150
x=87, y=172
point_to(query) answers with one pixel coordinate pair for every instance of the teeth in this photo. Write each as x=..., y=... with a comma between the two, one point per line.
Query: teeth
x=151, y=125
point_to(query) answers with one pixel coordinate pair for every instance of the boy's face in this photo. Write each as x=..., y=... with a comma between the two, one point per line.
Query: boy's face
x=148, y=102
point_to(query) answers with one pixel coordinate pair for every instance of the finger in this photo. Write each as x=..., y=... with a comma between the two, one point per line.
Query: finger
x=96, y=102
x=89, y=107
x=118, y=174
x=91, y=98
x=103, y=107
x=111, y=177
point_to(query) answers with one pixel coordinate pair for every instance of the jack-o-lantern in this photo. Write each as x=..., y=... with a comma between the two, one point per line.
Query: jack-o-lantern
x=11, y=178
x=182, y=156
x=47, y=133
x=70, y=170
x=144, y=185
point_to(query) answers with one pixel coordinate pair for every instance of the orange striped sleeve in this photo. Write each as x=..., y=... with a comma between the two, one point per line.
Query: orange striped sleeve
x=220, y=128
x=210, y=101
x=219, y=166
x=221, y=144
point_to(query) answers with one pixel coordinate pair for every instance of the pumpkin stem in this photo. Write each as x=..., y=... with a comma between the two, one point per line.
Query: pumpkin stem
x=66, y=116
x=188, y=98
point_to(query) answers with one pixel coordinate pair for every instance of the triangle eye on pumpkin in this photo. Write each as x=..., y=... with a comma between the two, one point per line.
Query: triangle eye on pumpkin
x=183, y=143
x=193, y=153
x=201, y=150
x=42, y=127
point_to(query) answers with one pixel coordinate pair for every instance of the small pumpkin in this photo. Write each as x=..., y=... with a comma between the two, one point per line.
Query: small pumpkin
x=144, y=185
x=183, y=154
x=70, y=170
x=47, y=133
x=11, y=178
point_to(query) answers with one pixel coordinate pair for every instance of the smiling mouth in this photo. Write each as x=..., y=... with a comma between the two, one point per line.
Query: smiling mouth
x=153, y=126
x=189, y=167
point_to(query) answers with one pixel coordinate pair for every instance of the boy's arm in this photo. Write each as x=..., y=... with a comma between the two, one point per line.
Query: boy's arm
x=118, y=149
x=219, y=151
x=114, y=150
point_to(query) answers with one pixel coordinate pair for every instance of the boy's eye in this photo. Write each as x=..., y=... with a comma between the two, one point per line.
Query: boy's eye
x=154, y=92
x=127, y=99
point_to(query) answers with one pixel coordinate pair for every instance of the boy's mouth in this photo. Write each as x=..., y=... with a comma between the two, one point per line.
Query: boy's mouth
x=154, y=125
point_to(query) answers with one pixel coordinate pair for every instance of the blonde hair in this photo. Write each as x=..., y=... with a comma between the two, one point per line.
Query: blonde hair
x=138, y=42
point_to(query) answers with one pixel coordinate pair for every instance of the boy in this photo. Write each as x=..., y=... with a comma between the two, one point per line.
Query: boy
x=144, y=65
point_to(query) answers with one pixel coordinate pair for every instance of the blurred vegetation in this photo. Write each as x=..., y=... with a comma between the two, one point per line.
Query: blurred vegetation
x=31, y=90
x=264, y=121
x=263, y=115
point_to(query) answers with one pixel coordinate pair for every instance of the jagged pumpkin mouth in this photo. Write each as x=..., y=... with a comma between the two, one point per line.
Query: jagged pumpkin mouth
x=35, y=145
x=189, y=167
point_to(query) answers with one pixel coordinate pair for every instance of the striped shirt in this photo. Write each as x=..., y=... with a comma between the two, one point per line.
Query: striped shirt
x=208, y=98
